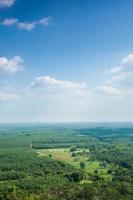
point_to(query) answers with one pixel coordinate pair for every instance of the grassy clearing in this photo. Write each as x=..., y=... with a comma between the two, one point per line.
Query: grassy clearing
x=58, y=154
x=64, y=154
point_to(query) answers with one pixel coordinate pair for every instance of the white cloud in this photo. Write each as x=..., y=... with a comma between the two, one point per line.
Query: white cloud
x=9, y=93
x=11, y=65
x=57, y=89
x=26, y=25
x=109, y=90
x=128, y=60
x=6, y=96
x=120, y=77
x=6, y=3
x=54, y=83
x=9, y=21
x=114, y=70
x=45, y=21
x=122, y=72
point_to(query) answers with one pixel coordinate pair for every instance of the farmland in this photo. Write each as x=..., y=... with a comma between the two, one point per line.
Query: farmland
x=75, y=158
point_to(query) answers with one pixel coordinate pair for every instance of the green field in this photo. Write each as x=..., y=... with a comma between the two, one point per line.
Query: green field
x=65, y=155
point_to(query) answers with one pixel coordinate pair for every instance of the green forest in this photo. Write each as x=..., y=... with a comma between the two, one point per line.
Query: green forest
x=43, y=162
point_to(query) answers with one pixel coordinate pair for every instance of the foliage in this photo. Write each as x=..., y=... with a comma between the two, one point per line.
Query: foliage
x=104, y=153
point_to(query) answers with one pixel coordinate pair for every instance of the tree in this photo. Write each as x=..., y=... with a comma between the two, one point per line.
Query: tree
x=82, y=165
x=73, y=149
x=96, y=171
x=75, y=176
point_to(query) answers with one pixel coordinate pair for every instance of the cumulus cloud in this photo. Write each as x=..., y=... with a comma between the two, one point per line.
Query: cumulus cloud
x=120, y=77
x=26, y=25
x=57, y=89
x=54, y=83
x=109, y=90
x=9, y=21
x=128, y=60
x=6, y=3
x=122, y=72
x=11, y=65
x=45, y=21
x=114, y=70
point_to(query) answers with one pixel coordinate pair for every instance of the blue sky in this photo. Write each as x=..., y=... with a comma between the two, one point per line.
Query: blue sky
x=66, y=60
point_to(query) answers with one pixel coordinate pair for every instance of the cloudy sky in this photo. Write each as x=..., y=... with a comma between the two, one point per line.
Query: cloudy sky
x=66, y=60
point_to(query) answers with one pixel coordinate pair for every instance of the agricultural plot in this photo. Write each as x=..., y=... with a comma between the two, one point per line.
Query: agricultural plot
x=75, y=158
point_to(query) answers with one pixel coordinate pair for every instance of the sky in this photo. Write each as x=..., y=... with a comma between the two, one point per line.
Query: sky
x=66, y=60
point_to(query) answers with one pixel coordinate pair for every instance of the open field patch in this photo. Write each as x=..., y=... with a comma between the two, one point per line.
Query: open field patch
x=75, y=158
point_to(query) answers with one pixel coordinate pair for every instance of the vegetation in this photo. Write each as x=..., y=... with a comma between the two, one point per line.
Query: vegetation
x=59, y=163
